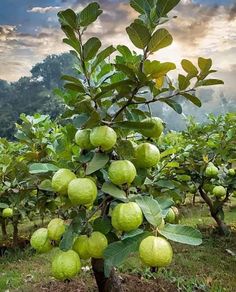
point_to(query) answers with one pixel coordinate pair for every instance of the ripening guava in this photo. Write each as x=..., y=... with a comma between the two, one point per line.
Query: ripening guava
x=97, y=243
x=82, y=139
x=211, y=170
x=126, y=216
x=219, y=191
x=81, y=247
x=231, y=172
x=40, y=241
x=104, y=137
x=146, y=155
x=66, y=265
x=61, y=180
x=82, y=191
x=156, y=130
x=155, y=251
x=7, y=212
x=121, y=172
x=56, y=228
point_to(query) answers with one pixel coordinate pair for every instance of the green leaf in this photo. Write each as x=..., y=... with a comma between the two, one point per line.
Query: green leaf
x=183, y=82
x=182, y=234
x=195, y=100
x=102, y=56
x=89, y=14
x=137, y=126
x=72, y=79
x=75, y=45
x=46, y=185
x=75, y=87
x=168, y=184
x=168, y=152
x=165, y=6
x=90, y=48
x=142, y=6
x=139, y=35
x=35, y=168
x=189, y=67
x=102, y=225
x=99, y=161
x=3, y=206
x=204, y=64
x=160, y=39
x=114, y=191
x=67, y=239
x=125, y=149
x=68, y=17
x=157, y=69
x=208, y=82
x=151, y=209
x=127, y=70
x=118, y=251
x=176, y=106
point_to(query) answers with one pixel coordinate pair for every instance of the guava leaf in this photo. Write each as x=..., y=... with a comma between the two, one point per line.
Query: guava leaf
x=160, y=39
x=182, y=234
x=99, y=161
x=114, y=191
x=3, y=205
x=35, y=168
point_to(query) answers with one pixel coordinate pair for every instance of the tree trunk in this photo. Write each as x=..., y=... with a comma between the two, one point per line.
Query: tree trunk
x=4, y=229
x=194, y=199
x=15, y=233
x=111, y=284
x=223, y=229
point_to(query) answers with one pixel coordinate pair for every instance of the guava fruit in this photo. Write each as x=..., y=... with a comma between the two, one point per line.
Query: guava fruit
x=122, y=172
x=146, y=155
x=56, y=228
x=126, y=216
x=170, y=217
x=97, y=243
x=211, y=170
x=219, y=191
x=208, y=188
x=82, y=191
x=7, y=212
x=156, y=130
x=162, y=224
x=82, y=139
x=61, y=180
x=81, y=247
x=104, y=137
x=40, y=241
x=155, y=251
x=66, y=265
x=231, y=171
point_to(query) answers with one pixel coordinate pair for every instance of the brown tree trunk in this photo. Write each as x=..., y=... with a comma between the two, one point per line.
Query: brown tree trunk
x=194, y=199
x=4, y=229
x=223, y=229
x=110, y=284
x=15, y=233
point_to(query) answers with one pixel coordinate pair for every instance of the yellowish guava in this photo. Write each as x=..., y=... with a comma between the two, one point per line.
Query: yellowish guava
x=61, y=180
x=146, y=155
x=66, y=265
x=82, y=139
x=156, y=130
x=97, y=243
x=104, y=137
x=126, y=216
x=82, y=191
x=122, y=172
x=56, y=228
x=81, y=247
x=155, y=251
x=7, y=213
x=40, y=241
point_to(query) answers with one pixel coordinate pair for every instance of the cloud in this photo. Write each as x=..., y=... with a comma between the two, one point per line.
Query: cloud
x=43, y=10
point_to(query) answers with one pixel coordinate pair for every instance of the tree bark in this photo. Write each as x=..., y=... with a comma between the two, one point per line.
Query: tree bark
x=4, y=229
x=15, y=233
x=110, y=284
x=223, y=229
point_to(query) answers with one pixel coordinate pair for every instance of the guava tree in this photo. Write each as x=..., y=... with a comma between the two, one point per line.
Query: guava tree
x=203, y=163
x=110, y=214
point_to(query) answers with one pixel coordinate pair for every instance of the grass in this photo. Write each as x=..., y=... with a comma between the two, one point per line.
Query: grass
x=208, y=267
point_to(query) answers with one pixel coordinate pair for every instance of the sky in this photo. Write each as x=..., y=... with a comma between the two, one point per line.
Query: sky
x=29, y=31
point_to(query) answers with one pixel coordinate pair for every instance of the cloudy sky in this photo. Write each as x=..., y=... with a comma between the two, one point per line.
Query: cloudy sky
x=29, y=31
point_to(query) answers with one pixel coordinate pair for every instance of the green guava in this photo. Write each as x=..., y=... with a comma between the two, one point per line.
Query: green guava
x=156, y=130
x=66, y=265
x=155, y=251
x=81, y=247
x=170, y=217
x=82, y=139
x=122, y=172
x=61, y=180
x=231, y=172
x=126, y=216
x=211, y=170
x=7, y=213
x=219, y=191
x=146, y=155
x=104, y=137
x=162, y=224
x=97, y=243
x=56, y=228
x=40, y=241
x=82, y=191
x=208, y=188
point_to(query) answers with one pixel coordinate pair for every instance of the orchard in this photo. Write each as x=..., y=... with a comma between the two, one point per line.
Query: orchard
x=105, y=182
